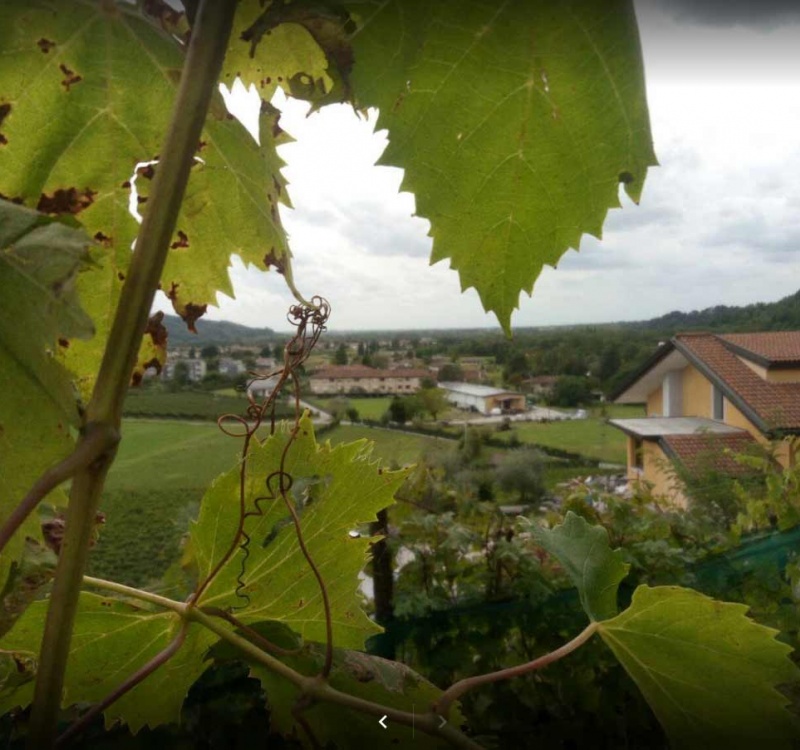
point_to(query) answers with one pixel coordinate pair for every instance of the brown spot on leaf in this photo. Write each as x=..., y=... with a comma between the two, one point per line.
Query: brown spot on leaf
x=146, y=171
x=120, y=276
x=5, y=108
x=127, y=184
x=103, y=239
x=69, y=201
x=182, y=241
x=271, y=259
x=16, y=199
x=201, y=145
x=192, y=314
x=45, y=45
x=70, y=77
x=156, y=330
x=141, y=199
x=64, y=343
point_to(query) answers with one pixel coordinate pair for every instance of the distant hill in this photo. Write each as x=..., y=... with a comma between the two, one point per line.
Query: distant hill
x=216, y=332
x=783, y=315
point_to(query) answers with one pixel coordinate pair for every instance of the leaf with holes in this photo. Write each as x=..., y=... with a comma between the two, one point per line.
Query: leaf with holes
x=585, y=553
x=709, y=673
x=112, y=639
x=87, y=99
x=40, y=260
x=334, y=490
x=514, y=121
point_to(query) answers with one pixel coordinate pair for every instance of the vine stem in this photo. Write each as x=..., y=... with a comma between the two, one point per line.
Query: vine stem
x=457, y=689
x=316, y=687
x=198, y=83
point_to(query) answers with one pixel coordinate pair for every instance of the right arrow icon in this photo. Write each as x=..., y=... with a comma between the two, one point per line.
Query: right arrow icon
x=442, y=721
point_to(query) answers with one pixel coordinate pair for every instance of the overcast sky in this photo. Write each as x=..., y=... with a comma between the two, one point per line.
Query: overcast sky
x=719, y=220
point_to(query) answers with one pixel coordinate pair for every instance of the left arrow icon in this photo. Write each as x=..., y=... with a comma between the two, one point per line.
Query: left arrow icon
x=382, y=721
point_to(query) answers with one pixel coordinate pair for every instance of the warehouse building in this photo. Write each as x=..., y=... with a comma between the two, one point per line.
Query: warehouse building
x=483, y=398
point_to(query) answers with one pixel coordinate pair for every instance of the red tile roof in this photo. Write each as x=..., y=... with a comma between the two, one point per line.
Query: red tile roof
x=357, y=372
x=701, y=452
x=774, y=346
x=776, y=405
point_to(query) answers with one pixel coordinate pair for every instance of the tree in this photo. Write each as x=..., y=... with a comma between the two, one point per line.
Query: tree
x=267, y=351
x=522, y=471
x=433, y=400
x=340, y=356
x=180, y=375
x=571, y=391
x=450, y=373
x=94, y=87
x=209, y=352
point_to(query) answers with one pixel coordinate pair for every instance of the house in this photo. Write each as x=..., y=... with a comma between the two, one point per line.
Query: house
x=711, y=392
x=359, y=379
x=483, y=398
x=261, y=388
x=540, y=386
x=195, y=369
x=231, y=367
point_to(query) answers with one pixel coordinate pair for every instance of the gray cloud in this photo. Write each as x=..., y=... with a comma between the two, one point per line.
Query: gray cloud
x=771, y=239
x=724, y=13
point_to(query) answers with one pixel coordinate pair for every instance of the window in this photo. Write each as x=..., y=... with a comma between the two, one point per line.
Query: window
x=717, y=404
x=638, y=454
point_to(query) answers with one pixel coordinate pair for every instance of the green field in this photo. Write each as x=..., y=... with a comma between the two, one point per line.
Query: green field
x=593, y=438
x=368, y=408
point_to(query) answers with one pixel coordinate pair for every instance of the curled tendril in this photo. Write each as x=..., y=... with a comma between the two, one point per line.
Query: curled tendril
x=309, y=321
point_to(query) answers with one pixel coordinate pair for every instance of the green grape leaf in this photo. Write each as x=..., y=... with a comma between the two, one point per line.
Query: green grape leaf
x=515, y=122
x=335, y=490
x=708, y=672
x=113, y=638
x=372, y=678
x=587, y=557
x=35, y=569
x=40, y=260
x=87, y=98
x=288, y=46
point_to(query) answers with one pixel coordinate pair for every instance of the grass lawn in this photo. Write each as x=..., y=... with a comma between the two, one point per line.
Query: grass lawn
x=368, y=408
x=589, y=437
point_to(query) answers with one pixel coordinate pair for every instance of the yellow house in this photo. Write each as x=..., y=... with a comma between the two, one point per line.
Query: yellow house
x=700, y=389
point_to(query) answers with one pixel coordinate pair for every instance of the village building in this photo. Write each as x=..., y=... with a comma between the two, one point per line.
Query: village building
x=230, y=367
x=483, y=398
x=540, y=386
x=196, y=369
x=362, y=380
x=708, y=393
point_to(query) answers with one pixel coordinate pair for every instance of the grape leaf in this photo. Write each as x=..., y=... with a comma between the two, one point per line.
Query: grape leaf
x=708, y=672
x=585, y=553
x=372, y=678
x=111, y=639
x=39, y=262
x=87, y=99
x=288, y=57
x=515, y=122
x=335, y=489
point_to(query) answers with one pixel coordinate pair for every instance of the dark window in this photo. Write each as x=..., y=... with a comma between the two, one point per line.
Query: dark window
x=718, y=404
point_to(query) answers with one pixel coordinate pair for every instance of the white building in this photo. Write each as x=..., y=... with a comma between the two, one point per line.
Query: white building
x=196, y=369
x=483, y=398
